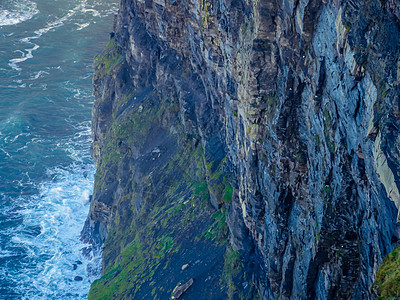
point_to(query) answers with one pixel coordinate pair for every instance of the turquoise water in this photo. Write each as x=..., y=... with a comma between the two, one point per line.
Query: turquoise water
x=46, y=172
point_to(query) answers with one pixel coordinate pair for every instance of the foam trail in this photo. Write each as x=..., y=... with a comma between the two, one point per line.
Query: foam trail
x=13, y=63
x=18, y=13
x=57, y=23
x=82, y=26
x=39, y=74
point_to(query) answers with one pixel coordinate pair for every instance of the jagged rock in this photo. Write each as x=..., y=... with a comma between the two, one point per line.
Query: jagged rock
x=180, y=289
x=292, y=106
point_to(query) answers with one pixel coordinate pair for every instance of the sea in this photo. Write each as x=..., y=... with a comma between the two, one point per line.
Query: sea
x=46, y=171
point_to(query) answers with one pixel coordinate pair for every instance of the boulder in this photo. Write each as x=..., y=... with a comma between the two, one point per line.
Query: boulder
x=180, y=289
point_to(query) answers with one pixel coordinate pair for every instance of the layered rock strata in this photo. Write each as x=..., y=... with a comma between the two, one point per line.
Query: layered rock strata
x=259, y=139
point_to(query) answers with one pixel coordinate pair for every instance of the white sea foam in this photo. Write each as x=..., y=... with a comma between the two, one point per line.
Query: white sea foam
x=29, y=9
x=82, y=26
x=39, y=75
x=59, y=209
x=13, y=63
x=56, y=23
x=17, y=12
x=47, y=242
x=45, y=248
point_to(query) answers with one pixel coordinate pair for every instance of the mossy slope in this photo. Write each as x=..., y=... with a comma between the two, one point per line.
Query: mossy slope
x=155, y=186
x=387, y=281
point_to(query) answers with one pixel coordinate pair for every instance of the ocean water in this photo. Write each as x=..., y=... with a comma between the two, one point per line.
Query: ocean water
x=46, y=172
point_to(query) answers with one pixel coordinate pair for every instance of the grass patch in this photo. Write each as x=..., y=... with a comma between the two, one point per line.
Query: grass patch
x=233, y=266
x=218, y=230
x=110, y=57
x=228, y=194
x=387, y=280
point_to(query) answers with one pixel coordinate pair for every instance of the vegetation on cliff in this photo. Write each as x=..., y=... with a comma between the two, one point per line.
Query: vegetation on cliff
x=387, y=281
x=173, y=224
x=262, y=125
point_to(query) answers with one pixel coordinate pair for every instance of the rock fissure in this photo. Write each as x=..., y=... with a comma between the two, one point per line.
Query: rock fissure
x=254, y=141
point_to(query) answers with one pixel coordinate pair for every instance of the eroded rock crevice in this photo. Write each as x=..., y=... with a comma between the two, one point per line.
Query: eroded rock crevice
x=261, y=134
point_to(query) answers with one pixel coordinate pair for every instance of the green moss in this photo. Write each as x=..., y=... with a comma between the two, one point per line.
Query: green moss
x=329, y=131
x=136, y=264
x=123, y=101
x=327, y=189
x=233, y=266
x=135, y=252
x=252, y=130
x=217, y=231
x=201, y=189
x=272, y=103
x=112, y=284
x=317, y=140
x=142, y=242
x=165, y=244
x=134, y=125
x=388, y=276
x=218, y=183
x=206, y=14
x=228, y=194
x=328, y=119
x=110, y=57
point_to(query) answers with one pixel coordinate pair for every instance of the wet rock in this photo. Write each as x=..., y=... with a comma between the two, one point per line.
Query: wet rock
x=78, y=278
x=87, y=252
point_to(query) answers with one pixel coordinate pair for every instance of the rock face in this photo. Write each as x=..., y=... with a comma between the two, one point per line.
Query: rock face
x=272, y=122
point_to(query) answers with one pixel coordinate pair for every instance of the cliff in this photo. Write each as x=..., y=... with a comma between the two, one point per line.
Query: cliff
x=252, y=146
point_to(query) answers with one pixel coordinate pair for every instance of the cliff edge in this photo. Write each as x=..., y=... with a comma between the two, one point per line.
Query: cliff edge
x=246, y=149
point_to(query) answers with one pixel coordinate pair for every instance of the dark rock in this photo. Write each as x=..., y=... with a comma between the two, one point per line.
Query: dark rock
x=78, y=278
x=78, y=262
x=87, y=252
x=293, y=106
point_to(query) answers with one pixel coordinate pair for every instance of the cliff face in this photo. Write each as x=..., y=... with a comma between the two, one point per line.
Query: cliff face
x=271, y=123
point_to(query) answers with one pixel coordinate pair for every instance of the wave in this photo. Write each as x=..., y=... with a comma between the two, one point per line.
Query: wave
x=81, y=7
x=17, y=12
x=27, y=9
x=40, y=248
x=48, y=241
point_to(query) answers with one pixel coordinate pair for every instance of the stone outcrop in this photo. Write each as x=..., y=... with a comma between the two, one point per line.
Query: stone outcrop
x=260, y=136
x=179, y=290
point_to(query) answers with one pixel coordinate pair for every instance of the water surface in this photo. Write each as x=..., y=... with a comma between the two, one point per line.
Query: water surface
x=46, y=172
